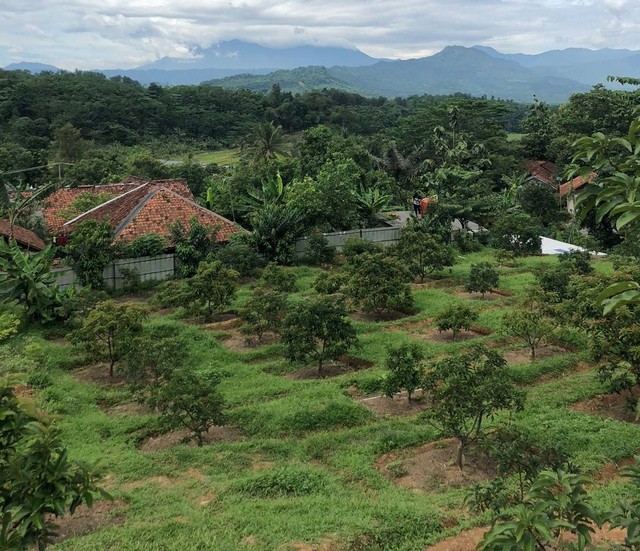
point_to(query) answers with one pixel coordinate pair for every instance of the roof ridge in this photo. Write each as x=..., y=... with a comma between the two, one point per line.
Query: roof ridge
x=205, y=210
x=135, y=210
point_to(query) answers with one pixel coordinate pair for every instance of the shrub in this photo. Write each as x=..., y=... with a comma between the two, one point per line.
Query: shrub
x=263, y=312
x=240, y=255
x=193, y=245
x=483, y=277
x=422, y=252
x=277, y=278
x=131, y=280
x=517, y=232
x=529, y=326
x=150, y=244
x=9, y=325
x=405, y=369
x=318, y=251
x=354, y=247
x=210, y=290
x=330, y=282
x=171, y=293
x=578, y=262
x=456, y=318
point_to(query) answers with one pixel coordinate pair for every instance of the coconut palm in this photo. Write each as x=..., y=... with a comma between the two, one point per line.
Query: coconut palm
x=266, y=142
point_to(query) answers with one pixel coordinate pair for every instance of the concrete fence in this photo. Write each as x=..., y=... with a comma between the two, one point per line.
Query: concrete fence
x=384, y=236
x=149, y=268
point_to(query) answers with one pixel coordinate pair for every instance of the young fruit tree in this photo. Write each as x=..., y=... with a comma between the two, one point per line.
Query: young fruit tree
x=278, y=279
x=465, y=390
x=456, y=318
x=483, y=277
x=405, y=369
x=187, y=400
x=108, y=332
x=263, y=312
x=318, y=329
x=38, y=481
x=423, y=253
x=212, y=289
x=378, y=284
x=528, y=325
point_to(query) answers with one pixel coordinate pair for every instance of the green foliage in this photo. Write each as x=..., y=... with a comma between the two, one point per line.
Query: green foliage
x=456, y=318
x=318, y=251
x=318, y=330
x=190, y=401
x=90, y=251
x=172, y=293
x=278, y=279
x=210, y=290
x=465, y=390
x=423, y=253
x=193, y=245
x=578, y=262
x=275, y=231
x=240, y=254
x=405, y=369
x=378, y=284
x=330, y=282
x=28, y=280
x=483, y=277
x=108, y=331
x=38, y=481
x=541, y=202
x=83, y=203
x=556, y=504
x=529, y=326
x=263, y=312
x=9, y=325
x=626, y=514
x=285, y=481
x=150, y=244
x=517, y=232
x=354, y=247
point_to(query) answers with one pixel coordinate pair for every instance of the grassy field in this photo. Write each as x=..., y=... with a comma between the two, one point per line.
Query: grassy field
x=222, y=157
x=299, y=473
x=514, y=136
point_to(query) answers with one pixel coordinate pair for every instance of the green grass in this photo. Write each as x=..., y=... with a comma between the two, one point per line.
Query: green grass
x=514, y=136
x=304, y=469
x=222, y=157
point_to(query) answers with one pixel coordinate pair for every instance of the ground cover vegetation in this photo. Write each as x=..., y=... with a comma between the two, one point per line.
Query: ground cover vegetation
x=354, y=399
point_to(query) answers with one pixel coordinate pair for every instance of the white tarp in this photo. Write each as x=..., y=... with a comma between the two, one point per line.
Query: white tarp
x=551, y=246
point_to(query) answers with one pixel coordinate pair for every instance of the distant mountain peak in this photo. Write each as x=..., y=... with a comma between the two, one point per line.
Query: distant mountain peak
x=32, y=67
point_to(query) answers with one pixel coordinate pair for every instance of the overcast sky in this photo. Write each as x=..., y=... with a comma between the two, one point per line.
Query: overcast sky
x=106, y=34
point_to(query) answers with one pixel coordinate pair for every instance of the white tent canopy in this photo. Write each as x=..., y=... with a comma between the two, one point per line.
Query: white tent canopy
x=551, y=246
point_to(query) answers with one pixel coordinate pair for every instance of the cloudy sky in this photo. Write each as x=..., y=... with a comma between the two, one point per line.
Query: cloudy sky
x=106, y=34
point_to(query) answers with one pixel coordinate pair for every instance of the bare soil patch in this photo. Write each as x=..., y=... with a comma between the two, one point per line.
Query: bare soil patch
x=523, y=355
x=611, y=406
x=223, y=322
x=468, y=539
x=86, y=520
x=236, y=341
x=133, y=409
x=611, y=471
x=432, y=467
x=423, y=329
x=169, y=439
x=345, y=364
x=396, y=406
x=99, y=374
x=436, y=283
x=493, y=295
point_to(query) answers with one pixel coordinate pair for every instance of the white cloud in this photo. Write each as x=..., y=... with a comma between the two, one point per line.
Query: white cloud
x=125, y=33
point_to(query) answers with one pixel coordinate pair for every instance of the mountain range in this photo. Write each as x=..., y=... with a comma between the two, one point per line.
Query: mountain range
x=552, y=76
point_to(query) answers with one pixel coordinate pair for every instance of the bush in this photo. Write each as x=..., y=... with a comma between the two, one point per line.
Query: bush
x=354, y=247
x=170, y=294
x=456, y=318
x=517, y=232
x=193, y=245
x=278, y=279
x=330, y=283
x=240, y=255
x=150, y=244
x=405, y=369
x=483, y=277
x=90, y=250
x=210, y=290
x=284, y=481
x=577, y=262
x=263, y=312
x=9, y=325
x=131, y=280
x=329, y=416
x=318, y=251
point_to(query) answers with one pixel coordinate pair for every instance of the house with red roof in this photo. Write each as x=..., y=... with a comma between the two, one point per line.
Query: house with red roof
x=137, y=208
x=570, y=190
x=542, y=172
x=25, y=238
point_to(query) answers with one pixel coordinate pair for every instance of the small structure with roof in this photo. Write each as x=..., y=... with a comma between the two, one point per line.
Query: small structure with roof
x=25, y=238
x=571, y=189
x=542, y=172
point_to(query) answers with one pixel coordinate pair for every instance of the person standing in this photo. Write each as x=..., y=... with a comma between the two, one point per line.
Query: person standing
x=416, y=205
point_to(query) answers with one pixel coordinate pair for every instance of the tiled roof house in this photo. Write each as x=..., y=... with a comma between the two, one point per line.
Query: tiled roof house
x=542, y=171
x=569, y=189
x=23, y=237
x=139, y=208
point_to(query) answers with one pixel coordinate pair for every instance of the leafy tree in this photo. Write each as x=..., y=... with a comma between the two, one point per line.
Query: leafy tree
x=211, y=289
x=278, y=279
x=372, y=204
x=90, y=251
x=109, y=330
x=28, y=279
x=423, y=252
x=465, y=389
x=377, y=284
x=537, y=127
x=541, y=202
x=456, y=318
x=37, y=479
x=191, y=401
x=405, y=369
x=318, y=250
x=193, y=245
x=555, y=506
x=267, y=142
x=529, y=326
x=69, y=145
x=263, y=312
x=483, y=277
x=578, y=262
x=330, y=282
x=318, y=329
x=240, y=254
x=354, y=247
x=517, y=232
x=275, y=231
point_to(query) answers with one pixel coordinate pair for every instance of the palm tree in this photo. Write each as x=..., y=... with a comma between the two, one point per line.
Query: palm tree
x=267, y=142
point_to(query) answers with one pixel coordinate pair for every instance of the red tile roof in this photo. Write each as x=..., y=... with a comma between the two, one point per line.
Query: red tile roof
x=61, y=199
x=151, y=208
x=23, y=236
x=576, y=183
x=541, y=170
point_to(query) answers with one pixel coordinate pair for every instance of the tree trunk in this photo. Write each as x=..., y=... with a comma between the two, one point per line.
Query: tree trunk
x=111, y=369
x=533, y=352
x=460, y=455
